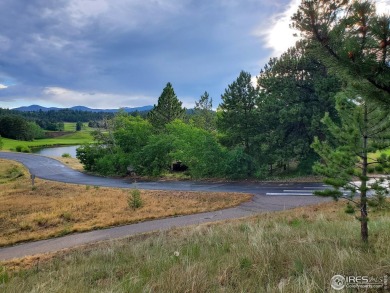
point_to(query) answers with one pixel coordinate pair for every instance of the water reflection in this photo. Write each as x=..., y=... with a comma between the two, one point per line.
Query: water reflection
x=56, y=151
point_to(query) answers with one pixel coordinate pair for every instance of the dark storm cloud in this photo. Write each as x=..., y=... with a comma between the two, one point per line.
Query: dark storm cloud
x=127, y=47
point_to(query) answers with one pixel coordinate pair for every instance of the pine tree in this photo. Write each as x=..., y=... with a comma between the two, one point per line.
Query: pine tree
x=295, y=92
x=168, y=108
x=204, y=117
x=350, y=38
x=238, y=115
x=364, y=129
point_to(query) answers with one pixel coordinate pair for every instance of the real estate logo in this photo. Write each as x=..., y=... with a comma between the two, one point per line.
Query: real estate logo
x=339, y=282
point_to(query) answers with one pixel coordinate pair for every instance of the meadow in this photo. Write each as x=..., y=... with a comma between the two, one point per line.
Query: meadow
x=297, y=250
x=51, y=209
x=75, y=138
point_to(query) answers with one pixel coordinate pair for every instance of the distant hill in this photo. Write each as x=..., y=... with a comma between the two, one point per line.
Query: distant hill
x=36, y=108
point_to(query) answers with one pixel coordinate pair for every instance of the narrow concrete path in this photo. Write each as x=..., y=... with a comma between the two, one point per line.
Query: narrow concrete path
x=285, y=196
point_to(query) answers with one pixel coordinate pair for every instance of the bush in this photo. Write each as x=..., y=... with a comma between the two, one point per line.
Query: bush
x=113, y=164
x=88, y=155
x=379, y=168
x=154, y=159
x=239, y=165
x=305, y=166
x=134, y=200
x=1, y=143
x=198, y=149
x=66, y=155
x=23, y=149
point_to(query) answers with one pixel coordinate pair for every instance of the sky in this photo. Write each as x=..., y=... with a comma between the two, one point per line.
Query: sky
x=121, y=53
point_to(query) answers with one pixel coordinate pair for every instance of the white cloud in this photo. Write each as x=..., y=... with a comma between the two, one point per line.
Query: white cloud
x=68, y=98
x=383, y=6
x=3, y=86
x=278, y=36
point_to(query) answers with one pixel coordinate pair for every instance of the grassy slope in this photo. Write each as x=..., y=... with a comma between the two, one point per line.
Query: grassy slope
x=291, y=251
x=52, y=209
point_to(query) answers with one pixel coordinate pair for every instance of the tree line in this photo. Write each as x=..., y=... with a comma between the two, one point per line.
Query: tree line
x=61, y=115
x=255, y=132
x=29, y=125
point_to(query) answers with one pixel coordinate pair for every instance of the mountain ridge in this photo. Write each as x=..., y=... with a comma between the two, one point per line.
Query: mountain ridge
x=36, y=108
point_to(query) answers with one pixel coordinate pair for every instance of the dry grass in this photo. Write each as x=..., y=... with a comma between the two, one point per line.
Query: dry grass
x=290, y=251
x=73, y=163
x=54, y=209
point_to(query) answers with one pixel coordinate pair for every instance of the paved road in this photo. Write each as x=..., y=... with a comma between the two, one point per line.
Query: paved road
x=267, y=197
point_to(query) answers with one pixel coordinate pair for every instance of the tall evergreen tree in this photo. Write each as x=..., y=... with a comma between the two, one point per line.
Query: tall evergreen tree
x=364, y=130
x=350, y=38
x=238, y=115
x=204, y=117
x=168, y=108
x=295, y=92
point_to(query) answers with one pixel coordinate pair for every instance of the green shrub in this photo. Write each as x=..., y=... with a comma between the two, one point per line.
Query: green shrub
x=66, y=155
x=113, y=164
x=134, y=200
x=23, y=149
x=350, y=209
x=26, y=149
x=379, y=168
x=198, y=149
x=88, y=155
x=154, y=159
x=239, y=165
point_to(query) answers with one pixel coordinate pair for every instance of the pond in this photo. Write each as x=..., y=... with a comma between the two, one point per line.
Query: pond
x=56, y=151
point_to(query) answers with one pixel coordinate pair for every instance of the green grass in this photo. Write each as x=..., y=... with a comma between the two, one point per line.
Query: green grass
x=374, y=168
x=292, y=251
x=75, y=138
x=71, y=126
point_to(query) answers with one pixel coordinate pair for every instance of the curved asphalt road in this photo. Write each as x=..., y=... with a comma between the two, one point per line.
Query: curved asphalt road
x=267, y=197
